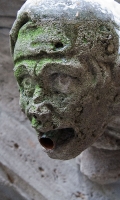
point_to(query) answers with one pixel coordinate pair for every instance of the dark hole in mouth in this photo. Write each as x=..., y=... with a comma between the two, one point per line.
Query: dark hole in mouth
x=47, y=143
x=54, y=138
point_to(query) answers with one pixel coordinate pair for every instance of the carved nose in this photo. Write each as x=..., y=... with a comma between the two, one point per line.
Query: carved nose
x=41, y=112
x=38, y=95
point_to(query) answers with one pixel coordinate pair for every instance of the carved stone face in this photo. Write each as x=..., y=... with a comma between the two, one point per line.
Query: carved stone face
x=64, y=75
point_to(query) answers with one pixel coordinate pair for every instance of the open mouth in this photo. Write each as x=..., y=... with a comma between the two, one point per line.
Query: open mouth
x=51, y=139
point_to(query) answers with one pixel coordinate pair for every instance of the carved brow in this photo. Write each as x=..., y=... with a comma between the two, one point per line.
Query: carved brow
x=52, y=68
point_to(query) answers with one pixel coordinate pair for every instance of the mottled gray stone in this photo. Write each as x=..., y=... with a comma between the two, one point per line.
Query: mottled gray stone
x=66, y=62
x=100, y=165
x=26, y=172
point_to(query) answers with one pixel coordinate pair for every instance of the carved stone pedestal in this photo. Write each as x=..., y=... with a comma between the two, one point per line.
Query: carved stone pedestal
x=101, y=166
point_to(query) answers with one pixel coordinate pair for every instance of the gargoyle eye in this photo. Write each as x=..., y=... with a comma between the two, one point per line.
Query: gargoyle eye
x=28, y=86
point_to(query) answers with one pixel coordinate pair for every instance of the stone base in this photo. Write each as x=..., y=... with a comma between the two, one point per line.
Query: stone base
x=101, y=166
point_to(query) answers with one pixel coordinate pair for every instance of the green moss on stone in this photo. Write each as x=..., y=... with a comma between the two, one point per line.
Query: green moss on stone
x=29, y=31
x=24, y=67
x=45, y=61
x=84, y=40
x=33, y=39
x=34, y=122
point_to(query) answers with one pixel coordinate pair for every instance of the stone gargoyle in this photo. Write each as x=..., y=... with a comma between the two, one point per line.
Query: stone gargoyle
x=67, y=65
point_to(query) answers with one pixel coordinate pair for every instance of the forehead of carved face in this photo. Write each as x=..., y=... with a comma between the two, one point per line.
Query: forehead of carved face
x=97, y=39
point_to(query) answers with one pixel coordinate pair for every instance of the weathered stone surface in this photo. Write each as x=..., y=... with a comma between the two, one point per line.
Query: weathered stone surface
x=101, y=166
x=26, y=172
x=66, y=58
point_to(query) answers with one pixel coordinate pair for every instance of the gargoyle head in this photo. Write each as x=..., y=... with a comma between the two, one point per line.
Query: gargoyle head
x=66, y=62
